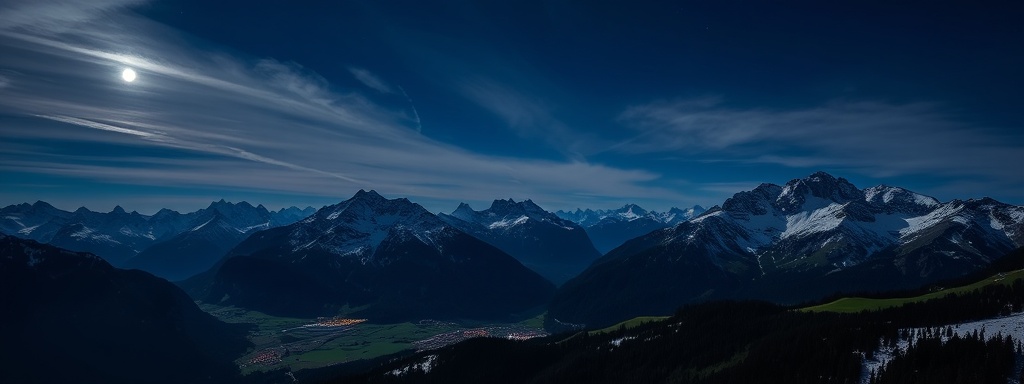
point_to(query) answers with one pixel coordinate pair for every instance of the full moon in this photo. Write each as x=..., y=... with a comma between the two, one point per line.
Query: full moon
x=128, y=75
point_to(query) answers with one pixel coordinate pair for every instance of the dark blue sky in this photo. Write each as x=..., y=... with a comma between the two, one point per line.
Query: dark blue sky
x=570, y=103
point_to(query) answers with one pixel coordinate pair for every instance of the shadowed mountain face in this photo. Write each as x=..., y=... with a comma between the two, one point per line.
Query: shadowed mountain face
x=555, y=248
x=391, y=259
x=71, y=317
x=168, y=244
x=807, y=239
x=196, y=249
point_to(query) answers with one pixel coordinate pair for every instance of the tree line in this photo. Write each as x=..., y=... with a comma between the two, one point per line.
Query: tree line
x=741, y=342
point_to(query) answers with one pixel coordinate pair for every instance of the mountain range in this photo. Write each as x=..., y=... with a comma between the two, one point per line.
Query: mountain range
x=391, y=259
x=556, y=248
x=168, y=244
x=388, y=260
x=806, y=239
x=610, y=228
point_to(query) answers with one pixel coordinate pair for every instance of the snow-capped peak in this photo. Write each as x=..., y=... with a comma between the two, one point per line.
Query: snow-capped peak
x=357, y=226
x=824, y=214
x=819, y=189
x=883, y=194
x=632, y=211
x=508, y=214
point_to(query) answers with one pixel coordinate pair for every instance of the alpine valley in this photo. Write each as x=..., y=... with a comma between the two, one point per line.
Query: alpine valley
x=373, y=289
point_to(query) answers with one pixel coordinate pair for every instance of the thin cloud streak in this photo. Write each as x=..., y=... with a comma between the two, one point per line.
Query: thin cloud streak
x=295, y=131
x=415, y=113
x=528, y=117
x=370, y=80
x=203, y=147
x=55, y=15
x=100, y=126
x=876, y=139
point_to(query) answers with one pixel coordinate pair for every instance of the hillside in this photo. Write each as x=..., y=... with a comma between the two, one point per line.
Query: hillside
x=861, y=304
x=741, y=342
x=71, y=317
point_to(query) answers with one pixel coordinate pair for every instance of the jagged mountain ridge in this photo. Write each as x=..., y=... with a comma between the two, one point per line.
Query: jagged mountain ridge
x=116, y=235
x=590, y=217
x=392, y=259
x=611, y=228
x=121, y=237
x=196, y=249
x=556, y=248
x=809, y=238
x=223, y=225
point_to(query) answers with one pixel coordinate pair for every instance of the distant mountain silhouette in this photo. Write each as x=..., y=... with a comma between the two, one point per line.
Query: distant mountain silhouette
x=555, y=248
x=168, y=244
x=611, y=228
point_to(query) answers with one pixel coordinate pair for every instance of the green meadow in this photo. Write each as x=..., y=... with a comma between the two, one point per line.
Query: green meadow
x=860, y=304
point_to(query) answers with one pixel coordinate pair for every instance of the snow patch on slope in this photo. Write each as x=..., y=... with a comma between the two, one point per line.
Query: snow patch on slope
x=506, y=222
x=89, y=233
x=1012, y=325
x=27, y=230
x=761, y=230
x=425, y=366
x=890, y=194
x=200, y=226
x=944, y=213
x=254, y=227
x=819, y=220
x=129, y=232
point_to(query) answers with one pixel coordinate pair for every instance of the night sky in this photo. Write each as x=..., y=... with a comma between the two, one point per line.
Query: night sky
x=570, y=103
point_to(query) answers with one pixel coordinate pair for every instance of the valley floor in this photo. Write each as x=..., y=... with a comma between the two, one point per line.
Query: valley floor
x=297, y=344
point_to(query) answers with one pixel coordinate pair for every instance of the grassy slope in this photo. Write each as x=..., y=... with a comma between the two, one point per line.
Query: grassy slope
x=636, y=321
x=860, y=304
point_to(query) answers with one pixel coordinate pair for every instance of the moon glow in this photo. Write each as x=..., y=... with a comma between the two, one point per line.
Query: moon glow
x=128, y=75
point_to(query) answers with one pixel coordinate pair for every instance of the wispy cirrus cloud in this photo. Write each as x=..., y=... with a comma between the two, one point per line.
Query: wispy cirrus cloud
x=529, y=116
x=872, y=138
x=370, y=80
x=224, y=121
x=55, y=15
